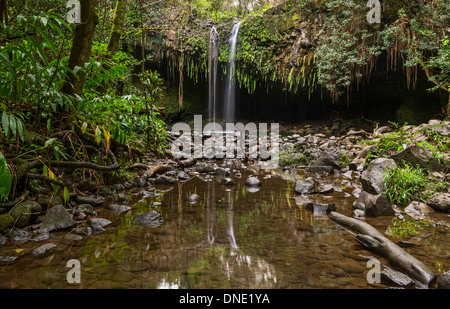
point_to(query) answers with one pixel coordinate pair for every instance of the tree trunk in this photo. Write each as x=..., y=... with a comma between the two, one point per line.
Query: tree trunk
x=114, y=38
x=373, y=240
x=3, y=12
x=81, y=48
x=117, y=27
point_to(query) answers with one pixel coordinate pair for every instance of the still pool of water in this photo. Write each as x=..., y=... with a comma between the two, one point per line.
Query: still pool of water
x=233, y=237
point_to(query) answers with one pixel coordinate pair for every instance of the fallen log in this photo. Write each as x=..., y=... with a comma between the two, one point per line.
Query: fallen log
x=375, y=241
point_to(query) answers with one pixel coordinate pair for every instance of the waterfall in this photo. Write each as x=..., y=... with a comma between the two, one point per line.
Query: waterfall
x=229, y=104
x=213, y=60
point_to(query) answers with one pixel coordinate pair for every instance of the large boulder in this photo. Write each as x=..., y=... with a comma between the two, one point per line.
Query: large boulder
x=373, y=205
x=327, y=158
x=378, y=206
x=25, y=213
x=418, y=210
x=440, y=201
x=372, y=177
x=307, y=186
x=416, y=155
x=56, y=218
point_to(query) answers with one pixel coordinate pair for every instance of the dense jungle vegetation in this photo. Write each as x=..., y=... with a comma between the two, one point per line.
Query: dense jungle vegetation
x=85, y=98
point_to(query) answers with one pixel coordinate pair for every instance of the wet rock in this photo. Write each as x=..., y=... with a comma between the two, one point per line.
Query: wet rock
x=19, y=235
x=6, y=223
x=164, y=180
x=252, y=182
x=83, y=210
x=8, y=258
x=182, y=175
x=379, y=205
x=104, y=191
x=320, y=209
x=306, y=186
x=25, y=213
x=327, y=159
x=204, y=168
x=118, y=187
x=357, y=164
x=326, y=189
x=40, y=237
x=147, y=194
x=358, y=213
x=68, y=238
x=390, y=276
x=416, y=155
x=44, y=248
x=140, y=182
x=418, y=210
x=440, y=202
x=97, y=224
x=56, y=218
x=151, y=219
x=193, y=198
x=190, y=161
x=89, y=200
x=363, y=200
x=83, y=230
x=373, y=205
x=227, y=182
x=222, y=171
x=372, y=177
x=118, y=208
x=443, y=281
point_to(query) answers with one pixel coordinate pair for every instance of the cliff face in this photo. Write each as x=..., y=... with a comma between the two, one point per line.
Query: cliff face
x=326, y=52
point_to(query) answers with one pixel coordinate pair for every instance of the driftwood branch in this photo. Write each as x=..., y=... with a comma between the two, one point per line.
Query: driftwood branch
x=375, y=241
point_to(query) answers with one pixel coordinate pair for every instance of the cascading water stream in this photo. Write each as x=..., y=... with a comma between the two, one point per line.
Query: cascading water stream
x=229, y=103
x=213, y=61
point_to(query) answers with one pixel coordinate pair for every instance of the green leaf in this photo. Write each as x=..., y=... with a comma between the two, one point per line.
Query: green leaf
x=50, y=141
x=66, y=195
x=84, y=127
x=5, y=179
x=13, y=125
x=98, y=135
x=5, y=124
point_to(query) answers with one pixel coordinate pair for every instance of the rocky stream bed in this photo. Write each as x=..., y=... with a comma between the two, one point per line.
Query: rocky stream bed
x=314, y=221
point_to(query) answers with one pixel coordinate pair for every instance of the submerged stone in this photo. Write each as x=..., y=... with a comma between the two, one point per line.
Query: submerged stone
x=151, y=219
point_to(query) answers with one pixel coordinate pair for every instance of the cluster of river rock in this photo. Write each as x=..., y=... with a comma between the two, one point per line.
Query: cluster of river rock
x=313, y=153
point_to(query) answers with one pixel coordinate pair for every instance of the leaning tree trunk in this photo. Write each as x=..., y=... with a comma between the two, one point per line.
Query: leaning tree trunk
x=117, y=26
x=3, y=12
x=373, y=240
x=81, y=49
x=114, y=38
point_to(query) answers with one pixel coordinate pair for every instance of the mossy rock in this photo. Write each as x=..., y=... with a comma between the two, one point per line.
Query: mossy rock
x=47, y=202
x=25, y=212
x=6, y=223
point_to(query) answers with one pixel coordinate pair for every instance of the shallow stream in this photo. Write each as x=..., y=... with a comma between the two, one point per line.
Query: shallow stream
x=233, y=237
